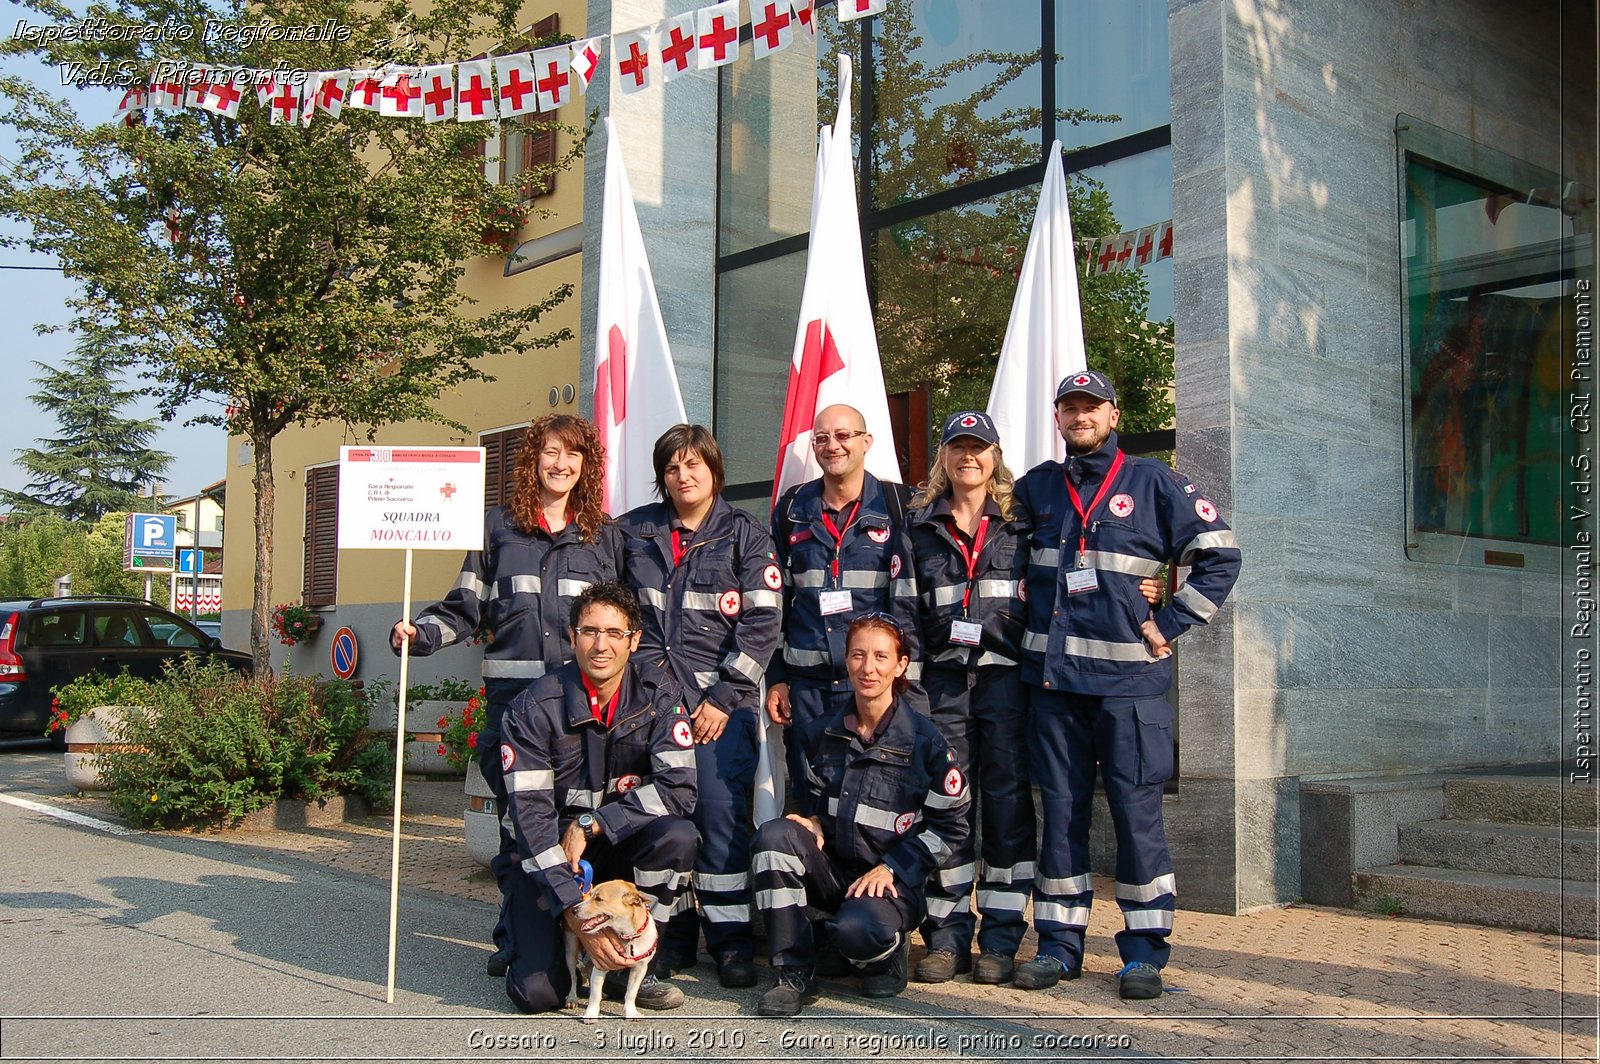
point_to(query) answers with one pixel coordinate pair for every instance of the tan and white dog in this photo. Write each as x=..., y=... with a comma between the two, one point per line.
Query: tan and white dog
x=616, y=904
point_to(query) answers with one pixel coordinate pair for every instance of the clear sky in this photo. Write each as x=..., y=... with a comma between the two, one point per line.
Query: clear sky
x=34, y=297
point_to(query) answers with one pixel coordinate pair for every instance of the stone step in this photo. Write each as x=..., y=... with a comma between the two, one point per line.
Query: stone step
x=1526, y=903
x=1539, y=850
x=1522, y=800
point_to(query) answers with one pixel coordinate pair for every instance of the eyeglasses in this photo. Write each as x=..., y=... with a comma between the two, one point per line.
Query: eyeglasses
x=879, y=615
x=842, y=437
x=614, y=635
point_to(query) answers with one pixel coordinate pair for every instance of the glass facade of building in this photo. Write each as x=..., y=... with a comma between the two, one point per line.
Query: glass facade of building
x=950, y=138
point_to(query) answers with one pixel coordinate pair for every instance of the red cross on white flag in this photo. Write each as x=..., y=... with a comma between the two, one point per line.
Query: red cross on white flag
x=771, y=26
x=850, y=10
x=552, y=77
x=167, y=94
x=1044, y=338
x=585, y=61
x=515, y=92
x=223, y=94
x=633, y=61
x=196, y=86
x=366, y=87
x=438, y=93
x=329, y=92
x=805, y=13
x=1164, y=240
x=717, y=34
x=283, y=109
x=636, y=395
x=130, y=109
x=400, y=95
x=475, y=91
x=676, y=39
x=1105, y=256
x=266, y=85
x=1144, y=246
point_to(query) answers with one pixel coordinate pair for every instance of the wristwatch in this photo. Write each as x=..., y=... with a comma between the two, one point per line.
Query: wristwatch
x=588, y=824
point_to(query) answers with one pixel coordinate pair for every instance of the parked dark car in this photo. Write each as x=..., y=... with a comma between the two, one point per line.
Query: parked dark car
x=46, y=642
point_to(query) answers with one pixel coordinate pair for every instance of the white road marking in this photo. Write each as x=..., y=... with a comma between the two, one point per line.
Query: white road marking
x=68, y=815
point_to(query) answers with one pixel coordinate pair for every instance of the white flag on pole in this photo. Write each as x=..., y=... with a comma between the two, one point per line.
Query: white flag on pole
x=636, y=395
x=1044, y=341
x=836, y=344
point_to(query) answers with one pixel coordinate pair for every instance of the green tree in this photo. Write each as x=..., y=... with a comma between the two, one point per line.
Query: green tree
x=290, y=275
x=36, y=551
x=101, y=459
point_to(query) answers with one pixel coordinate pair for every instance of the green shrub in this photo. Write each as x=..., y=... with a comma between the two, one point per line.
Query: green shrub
x=90, y=691
x=212, y=746
x=449, y=690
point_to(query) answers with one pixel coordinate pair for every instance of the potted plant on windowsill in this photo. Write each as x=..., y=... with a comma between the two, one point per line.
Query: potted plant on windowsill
x=502, y=223
x=294, y=622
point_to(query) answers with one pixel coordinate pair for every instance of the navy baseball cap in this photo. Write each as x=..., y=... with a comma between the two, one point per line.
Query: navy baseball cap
x=1089, y=382
x=974, y=423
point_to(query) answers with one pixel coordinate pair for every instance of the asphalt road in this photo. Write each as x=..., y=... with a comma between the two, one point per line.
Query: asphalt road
x=124, y=945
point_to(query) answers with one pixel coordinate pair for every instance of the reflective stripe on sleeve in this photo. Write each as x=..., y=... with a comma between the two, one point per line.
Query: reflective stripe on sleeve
x=744, y=664
x=1130, y=564
x=447, y=635
x=536, y=779
x=1220, y=540
x=1198, y=604
x=511, y=669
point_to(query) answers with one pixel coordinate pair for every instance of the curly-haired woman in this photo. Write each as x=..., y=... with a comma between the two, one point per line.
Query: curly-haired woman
x=544, y=546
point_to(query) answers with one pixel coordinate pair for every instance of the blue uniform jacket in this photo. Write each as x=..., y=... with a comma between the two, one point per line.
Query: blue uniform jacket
x=559, y=761
x=714, y=620
x=874, y=566
x=1089, y=643
x=901, y=799
x=996, y=600
x=521, y=585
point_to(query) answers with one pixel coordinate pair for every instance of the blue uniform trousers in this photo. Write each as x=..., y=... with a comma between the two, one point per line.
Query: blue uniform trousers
x=1131, y=741
x=983, y=715
x=809, y=700
x=657, y=859
x=499, y=693
x=793, y=875
x=726, y=779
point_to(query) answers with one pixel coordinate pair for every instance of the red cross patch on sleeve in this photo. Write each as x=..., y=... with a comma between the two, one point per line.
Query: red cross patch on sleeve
x=1206, y=511
x=903, y=822
x=681, y=733
x=772, y=577
x=508, y=757
x=729, y=603
x=894, y=567
x=952, y=782
x=628, y=783
x=878, y=535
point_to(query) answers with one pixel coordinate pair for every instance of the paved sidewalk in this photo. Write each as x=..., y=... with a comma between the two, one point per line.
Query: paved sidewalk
x=1298, y=982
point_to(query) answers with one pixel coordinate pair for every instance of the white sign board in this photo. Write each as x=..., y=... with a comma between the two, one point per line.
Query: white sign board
x=411, y=498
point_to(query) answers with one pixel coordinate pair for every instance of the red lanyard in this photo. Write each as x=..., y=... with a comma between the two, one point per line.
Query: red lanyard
x=677, y=549
x=970, y=558
x=594, y=702
x=1083, y=515
x=838, y=534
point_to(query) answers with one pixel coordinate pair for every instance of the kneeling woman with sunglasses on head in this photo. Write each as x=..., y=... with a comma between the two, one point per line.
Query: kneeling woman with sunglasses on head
x=883, y=801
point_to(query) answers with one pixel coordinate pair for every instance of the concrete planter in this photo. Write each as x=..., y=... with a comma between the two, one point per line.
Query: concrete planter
x=422, y=752
x=100, y=728
x=290, y=815
x=482, y=817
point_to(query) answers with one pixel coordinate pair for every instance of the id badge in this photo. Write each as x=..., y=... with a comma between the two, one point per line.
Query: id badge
x=967, y=633
x=1081, y=580
x=836, y=602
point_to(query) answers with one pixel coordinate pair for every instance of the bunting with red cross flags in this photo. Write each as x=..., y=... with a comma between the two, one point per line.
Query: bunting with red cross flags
x=400, y=95
x=513, y=75
x=284, y=106
x=222, y=94
x=475, y=92
x=366, y=88
x=850, y=10
x=130, y=109
x=633, y=61
x=1131, y=250
x=585, y=61
x=676, y=39
x=551, y=76
x=438, y=93
x=329, y=91
x=771, y=27
x=717, y=29
x=805, y=16
x=196, y=86
x=167, y=93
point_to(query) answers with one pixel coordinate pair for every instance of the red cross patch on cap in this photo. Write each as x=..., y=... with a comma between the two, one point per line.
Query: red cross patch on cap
x=772, y=577
x=508, y=757
x=1121, y=505
x=1206, y=511
x=952, y=782
x=729, y=603
x=903, y=822
x=681, y=734
x=968, y=421
x=1081, y=379
x=628, y=783
x=878, y=535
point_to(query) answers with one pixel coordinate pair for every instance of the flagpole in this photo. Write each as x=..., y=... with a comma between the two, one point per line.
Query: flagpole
x=399, y=768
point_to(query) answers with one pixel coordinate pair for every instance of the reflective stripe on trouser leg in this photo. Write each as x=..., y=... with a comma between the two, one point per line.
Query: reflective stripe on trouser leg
x=1134, y=740
x=726, y=770
x=657, y=858
x=1005, y=807
x=790, y=874
x=1063, y=766
x=505, y=863
x=949, y=924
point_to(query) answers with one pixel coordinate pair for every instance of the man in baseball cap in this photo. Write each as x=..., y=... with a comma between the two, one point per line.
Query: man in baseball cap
x=1089, y=382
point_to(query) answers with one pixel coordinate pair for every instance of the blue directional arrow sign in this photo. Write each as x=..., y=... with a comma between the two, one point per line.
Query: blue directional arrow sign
x=191, y=561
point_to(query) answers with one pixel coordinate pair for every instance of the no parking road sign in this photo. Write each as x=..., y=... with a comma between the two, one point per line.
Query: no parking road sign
x=345, y=653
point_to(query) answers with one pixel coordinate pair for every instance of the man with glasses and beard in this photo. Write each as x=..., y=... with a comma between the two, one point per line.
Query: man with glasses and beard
x=1098, y=665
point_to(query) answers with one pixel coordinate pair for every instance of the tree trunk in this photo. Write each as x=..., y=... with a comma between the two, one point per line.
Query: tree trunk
x=261, y=603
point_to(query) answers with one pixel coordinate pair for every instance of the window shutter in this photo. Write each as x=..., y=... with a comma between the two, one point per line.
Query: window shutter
x=321, y=586
x=500, y=465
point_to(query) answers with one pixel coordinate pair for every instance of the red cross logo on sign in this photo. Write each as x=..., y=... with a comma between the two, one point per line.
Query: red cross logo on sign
x=628, y=783
x=508, y=757
x=902, y=823
x=952, y=782
x=1121, y=505
x=448, y=491
x=772, y=577
x=878, y=535
x=1206, y=511
x=729, y=603
x=681, y=733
